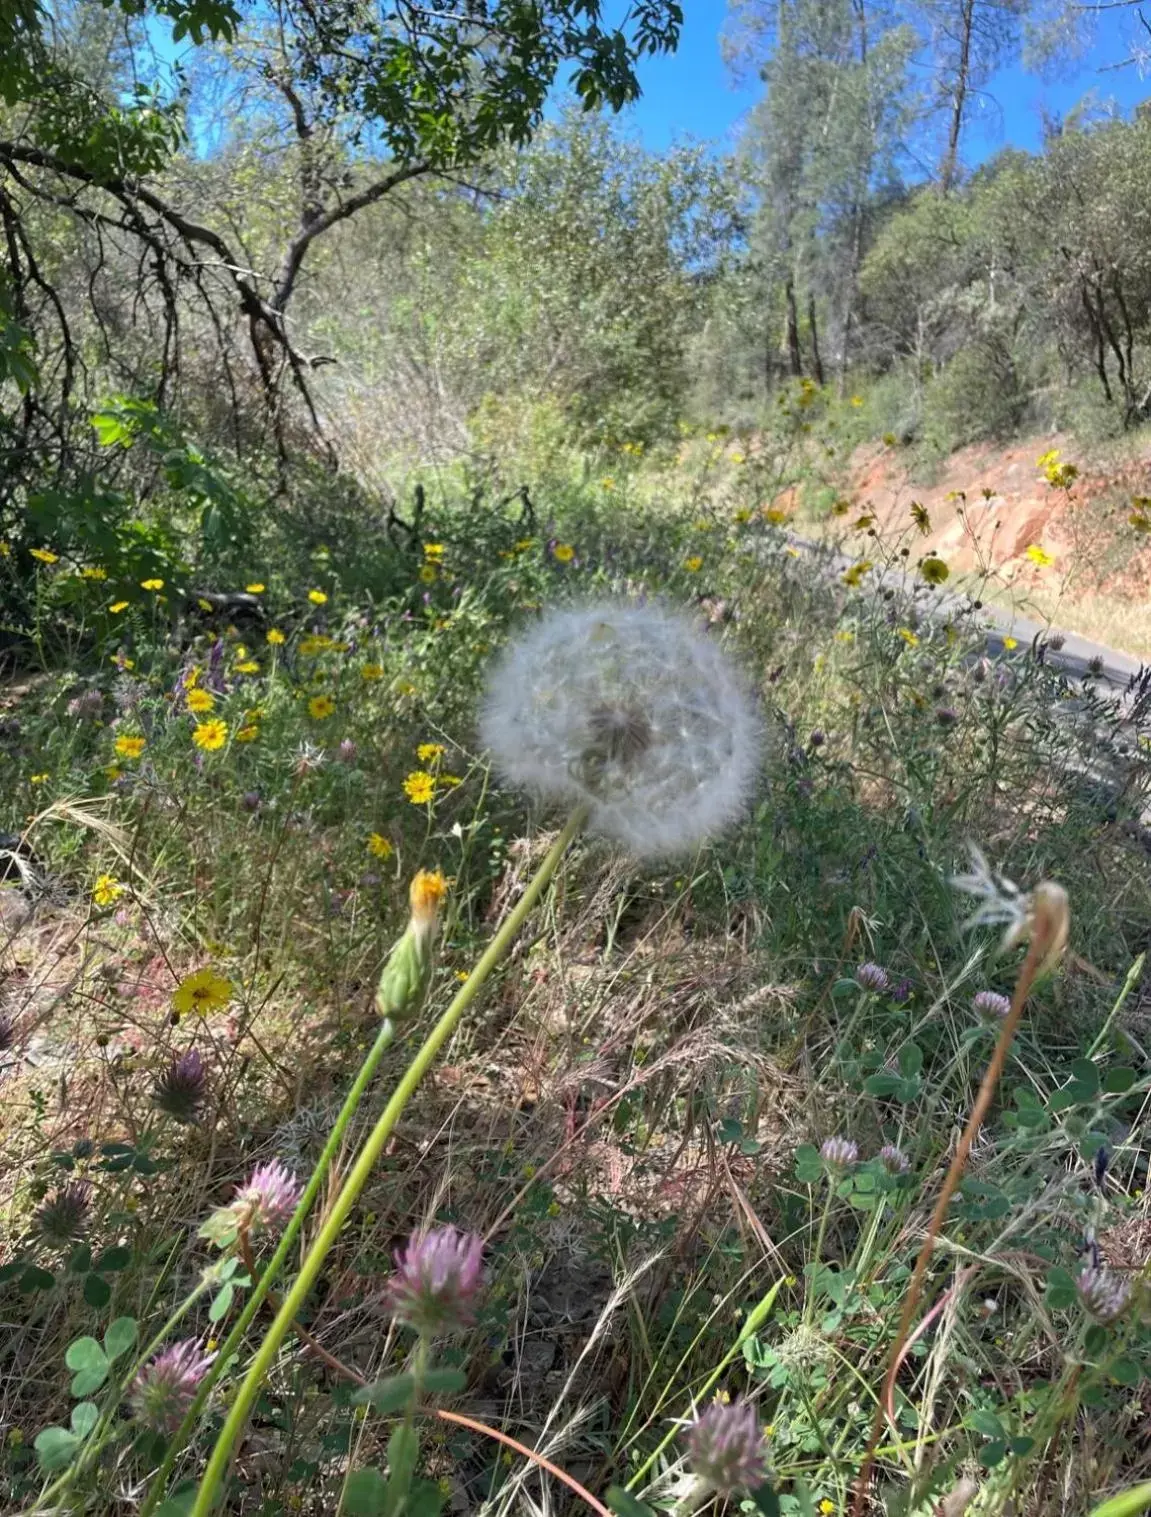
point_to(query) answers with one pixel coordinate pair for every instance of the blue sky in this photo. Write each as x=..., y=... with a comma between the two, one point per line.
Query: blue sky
x=689, y=95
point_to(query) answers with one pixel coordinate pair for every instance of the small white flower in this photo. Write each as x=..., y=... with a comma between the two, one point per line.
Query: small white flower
x=632, y=711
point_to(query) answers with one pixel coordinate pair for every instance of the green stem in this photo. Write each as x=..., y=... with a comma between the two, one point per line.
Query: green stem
x=755, y=1320
x=365, y=1163
x=159, y=1485
x=812, y=1290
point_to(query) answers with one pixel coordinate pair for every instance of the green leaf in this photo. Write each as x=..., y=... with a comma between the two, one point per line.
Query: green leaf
x=97, y=1291
x=1060, y=1292
x=1127, y=1504
x=625, y=1504
x=910, y=1060
x=1117, y=1082
x=425, y=1499
x=1095, y=1339
x=120, y=1337
x=986, y=1422
x=993, y=1454
x=403, y=1452
x=808, y=1164
x=365, y=1493
x=1126, y=1371
x=766, y=1501
x=1022, y=1446
x=882, y=1084
x=36, y=1279
x=113, y=1259
x=1086, y=1074
x=90, y=1365
x=443, y=1382
x=388, y=1395
x=55, y=1447
x=222, y=1303
x=85, y=1416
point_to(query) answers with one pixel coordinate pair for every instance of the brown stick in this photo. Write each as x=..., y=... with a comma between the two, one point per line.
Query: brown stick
x=1049, y=928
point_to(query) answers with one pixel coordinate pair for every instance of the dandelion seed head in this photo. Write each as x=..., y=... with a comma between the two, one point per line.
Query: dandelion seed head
x=631, y=711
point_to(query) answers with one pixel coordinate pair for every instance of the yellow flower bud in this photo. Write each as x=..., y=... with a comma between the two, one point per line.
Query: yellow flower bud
x=404, y=979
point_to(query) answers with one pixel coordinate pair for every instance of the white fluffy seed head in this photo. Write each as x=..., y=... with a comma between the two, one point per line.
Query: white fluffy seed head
x=631, y=710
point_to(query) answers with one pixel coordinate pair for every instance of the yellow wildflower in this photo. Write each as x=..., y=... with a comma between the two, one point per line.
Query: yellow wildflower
x=117, y=606
x=200, y=701
x=1011, y=643
x=1040, y=556
x=248, y=666
x=372, y=671
x=317, y=598
x=256, y=589
x=564, y=552
x=854, y=575
x=434, y=551
x=607, y=482
x=524, y=544
x=93, y=571
x=106, y=890
x=775, y=516
x=45, y=555
x=202, y=992
x=209, y=736
x=742, y=515
x=275, y=636
x=151, y=584
x=378, y=846
x=320, y=707
x=428, y=573
x=129, y=746
x=316, y=643
x=248, y=733
x=920, y=517
x=693, y=564
x=38, y=779
x=419, y=787
x=840, y=507
x=856, y=401
x=934, y=570
x=426, y=752
x=909, y=637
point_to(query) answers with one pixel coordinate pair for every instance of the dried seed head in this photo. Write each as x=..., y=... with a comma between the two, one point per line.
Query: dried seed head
x=631, y=711
x=181, y=1089
x=839, y=1153
x=725, y=1448
x=63, y=1215
x=1104, y=1294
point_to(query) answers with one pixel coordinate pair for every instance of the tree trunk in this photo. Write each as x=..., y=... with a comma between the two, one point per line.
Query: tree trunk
x=794, y=355
x=814, y=330
x=950, y=163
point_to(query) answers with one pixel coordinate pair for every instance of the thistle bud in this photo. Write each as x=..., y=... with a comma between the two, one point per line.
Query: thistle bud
x=404, y=978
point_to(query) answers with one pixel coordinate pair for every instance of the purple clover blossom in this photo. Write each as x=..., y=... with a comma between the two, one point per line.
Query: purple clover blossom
x=163, y=1390
x=839, y=1153
x=989, y=1003
x=872, y=977
x=894, y=1160
x=725, y=1448
x=346, y=752
x=214, y=678
x=901, y=992
x=89, y=704
x=437, y=1279
x=267, y=1201
x=181, y=1089
x=1104, y=1294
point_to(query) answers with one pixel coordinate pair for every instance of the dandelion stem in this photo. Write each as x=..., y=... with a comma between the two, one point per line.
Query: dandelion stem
x=365, y=1163
x=261, y=1288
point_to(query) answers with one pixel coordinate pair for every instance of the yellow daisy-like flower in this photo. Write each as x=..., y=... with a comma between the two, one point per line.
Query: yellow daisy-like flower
x=151, y=584
x=920, y=517
x=256, y=589
x=427, y=752
x=428, y=573
x=320, y=707
x=316, y=643
x=856, y=401
x=909, y=637
x=38, y=779
x=275, y=637
x=1011, y=643
x=607, y=482
x=93, y=571
x=524, y=544
x=317, y=598
x=117, y=606
x=378, y=846
x=419, y=787
x=865, y=521
x=742, y=515
x=202, y=993
x=1040, y=556
x=854, y=575
x=434, y=550
x=106, y=890
x=427, y=890
x=210, y=736
x=840, y=507
x=248, y=666
x=693, y=564
x=564, y=552
x=248, y=733
x=45, y=555
x=201, y=700
x=934, y=570
x=775, y=516
x=826, y=1507
x=129, y=746
x=372, y=672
